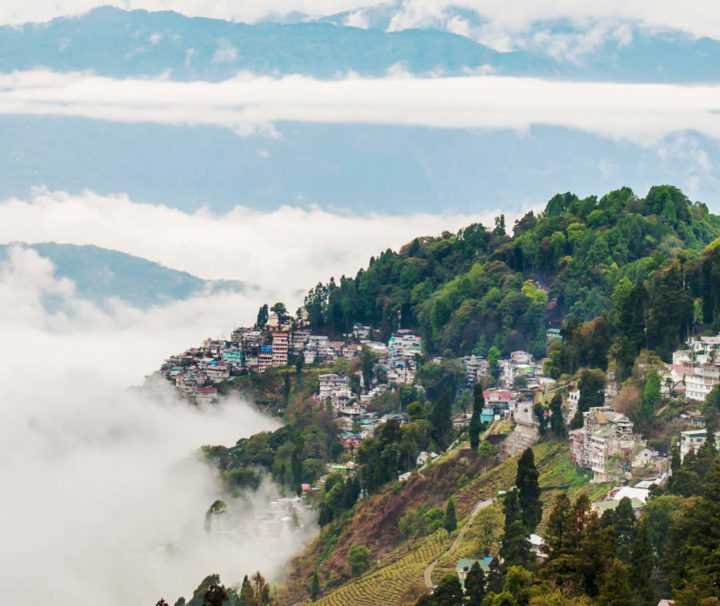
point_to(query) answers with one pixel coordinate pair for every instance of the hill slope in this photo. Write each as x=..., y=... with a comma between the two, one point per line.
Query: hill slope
x=99, y=274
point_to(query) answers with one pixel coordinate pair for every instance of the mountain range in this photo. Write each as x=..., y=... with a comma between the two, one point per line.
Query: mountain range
x=119, y=43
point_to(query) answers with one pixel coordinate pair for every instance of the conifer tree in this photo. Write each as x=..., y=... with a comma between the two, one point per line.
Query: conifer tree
x=247, y=597
x=529, y=490
x=314, y=586
x=557, y=421
x=450, y=522
x=624, y=523
x=475, y=585
x=441, y=420
x=448, y=591
x=642, y=564
x=494, y=577
x=514, y=547
x=475, y=424
x=616, y=589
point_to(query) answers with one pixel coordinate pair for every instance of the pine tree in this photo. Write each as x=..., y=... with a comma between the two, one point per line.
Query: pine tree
x=441, y=419
x=557, y=421
x=494, y=577
x=642, y=564
x=314, y=586
x=616, y=590
x=450, y=522
x=529, y=490
x=579, y=548
x=514, y=547
x=623, y=522
x=247, y=597
x=651, y=396
x=448, y=591
x=475, y=585
x=475, y=424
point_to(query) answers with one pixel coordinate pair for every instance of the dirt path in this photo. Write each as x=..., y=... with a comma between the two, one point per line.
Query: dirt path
x=479, y=506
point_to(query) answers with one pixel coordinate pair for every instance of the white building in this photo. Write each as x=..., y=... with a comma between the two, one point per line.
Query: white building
x=691, y=440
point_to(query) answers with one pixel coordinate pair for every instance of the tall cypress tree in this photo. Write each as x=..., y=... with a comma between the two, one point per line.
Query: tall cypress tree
x=450, y=522
x=557, y=422
x=475, y=424
x=314, y=586
x=642, y=564
x=529, y=490
x=475, y=585
x=441, y=420
x=514, y=546
x=494, y=577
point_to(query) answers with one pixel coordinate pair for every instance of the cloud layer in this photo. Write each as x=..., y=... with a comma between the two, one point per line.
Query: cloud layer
x=286, y=251
x=108, y=498
x=642, y=113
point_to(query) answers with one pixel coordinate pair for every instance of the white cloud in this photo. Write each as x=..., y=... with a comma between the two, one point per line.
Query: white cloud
x=642, y=113
x=225, y=52
x=286, y=250
x=357, y=19
x=109, y=498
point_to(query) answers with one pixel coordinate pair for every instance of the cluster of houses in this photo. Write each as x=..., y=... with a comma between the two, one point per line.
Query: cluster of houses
x=606, y=434
x=694, y=371
x=197, y=371
x=520, y=365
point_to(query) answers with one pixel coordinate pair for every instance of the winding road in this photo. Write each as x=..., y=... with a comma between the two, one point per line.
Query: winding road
x=479, y=506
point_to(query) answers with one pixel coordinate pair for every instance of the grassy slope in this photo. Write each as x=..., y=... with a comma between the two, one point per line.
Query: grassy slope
x=397, y=575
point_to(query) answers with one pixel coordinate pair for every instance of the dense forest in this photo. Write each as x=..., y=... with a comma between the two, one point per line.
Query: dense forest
x=480, y=288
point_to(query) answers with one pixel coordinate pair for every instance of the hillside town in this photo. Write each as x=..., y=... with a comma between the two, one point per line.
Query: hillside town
x=606, y=445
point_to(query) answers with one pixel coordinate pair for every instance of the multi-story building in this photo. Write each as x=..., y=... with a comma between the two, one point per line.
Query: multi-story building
x=334, y=388
x=279, y=349
x=701, y=380
x=265, y=358
x=605, y=434
x=691, y=440
x=475, y=368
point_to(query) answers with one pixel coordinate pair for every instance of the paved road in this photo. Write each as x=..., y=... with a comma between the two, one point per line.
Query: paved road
x=479, y=506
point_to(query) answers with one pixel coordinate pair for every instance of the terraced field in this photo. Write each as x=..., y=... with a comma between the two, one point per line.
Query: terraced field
x=398, y=581
x=399, y=578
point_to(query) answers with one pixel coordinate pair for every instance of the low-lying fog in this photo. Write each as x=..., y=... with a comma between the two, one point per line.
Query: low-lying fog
x=104, y=498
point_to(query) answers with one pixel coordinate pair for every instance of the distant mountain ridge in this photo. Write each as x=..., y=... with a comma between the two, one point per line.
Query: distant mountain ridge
x=118, y=43
x=100, y=274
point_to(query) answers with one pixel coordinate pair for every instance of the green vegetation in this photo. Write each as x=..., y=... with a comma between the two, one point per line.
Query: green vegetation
x=627, y=279
x=358, y=559
x=479, y=289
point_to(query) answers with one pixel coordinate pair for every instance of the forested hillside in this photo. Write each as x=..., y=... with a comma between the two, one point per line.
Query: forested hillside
x=625, y=280
x=480, y=288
